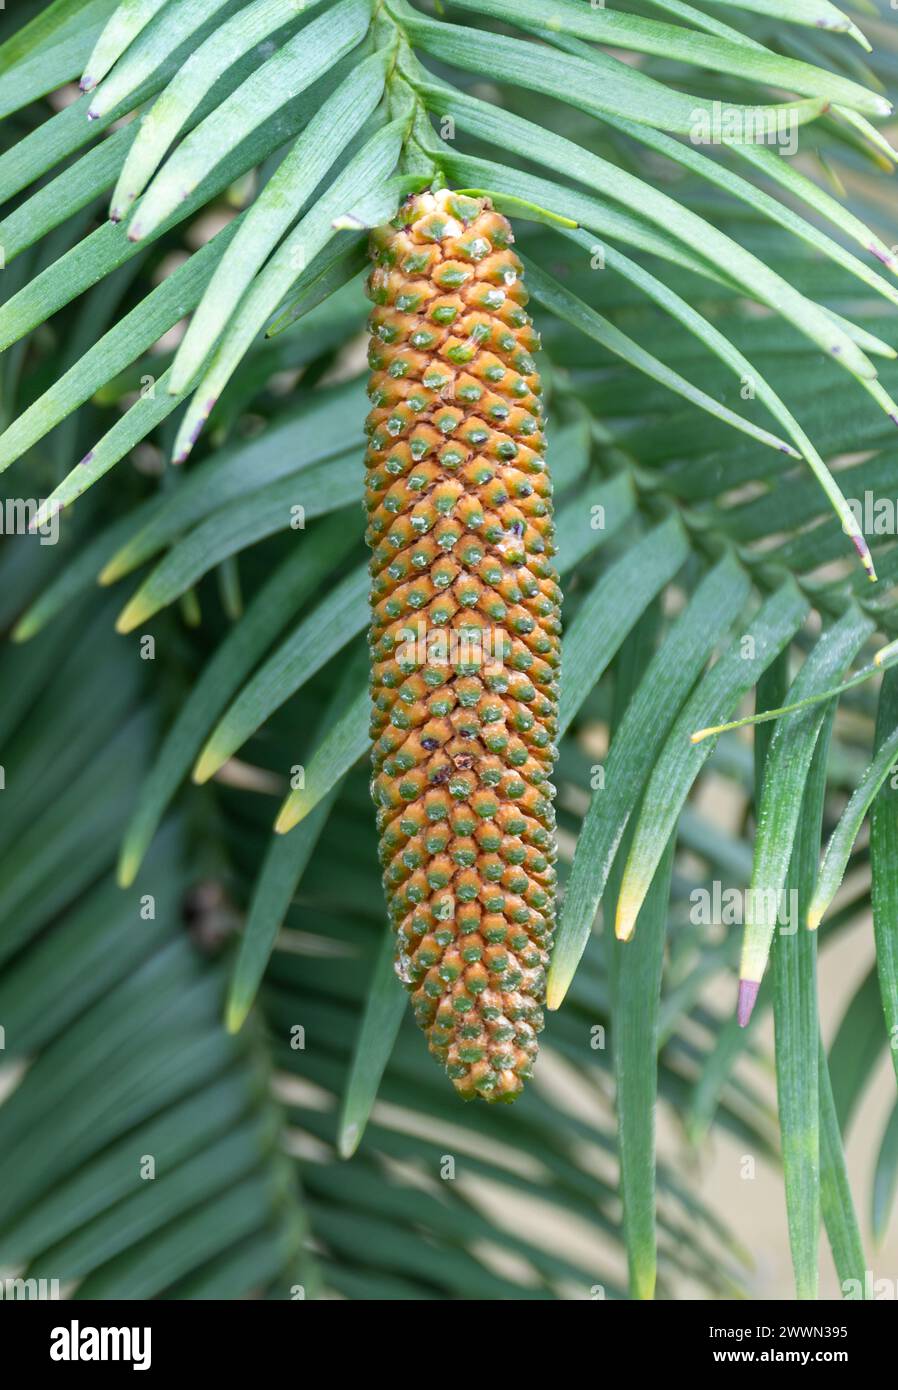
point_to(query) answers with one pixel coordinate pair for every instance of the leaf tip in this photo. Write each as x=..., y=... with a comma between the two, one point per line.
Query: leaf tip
x=206, y=765
x=178, y=380
x=627, y=911
x=184, y=446
x=882, y=254
x=128, y=865
x=348, y=222
x=235, y=1015
x=285, y=822
x=130, y=616
x=349, y=1140
x=109, y=573
x=866, y=558
x=748, y=995
x=557, y=987
x=643, y=1283
x=47, y=511
x=701, y=734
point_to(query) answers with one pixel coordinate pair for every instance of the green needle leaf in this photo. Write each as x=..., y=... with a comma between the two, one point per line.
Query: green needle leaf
x=292, y=69
x=816, y=14
x=373, y=164
x=328, y=132
x=797, y=1029
x=505, y=128
x=599, y=83
x=611, y=608
x=385, y=1008
x=884, y=863
x=637, y=992
x=233, y=528
x=808, y=317
x=590, y=215
x=76, y=187
x=885, y=1181
x=129, y=18
x=573, y=310
x=166, y=119
x=519, y=208
x=626, y=31
x=346, y=742
x=857, y=1048
x=291, y=585
x=680, y=762
x=130, y=337
x=838, y=850
x=283, y=867
x=327, y=629
x=327, y=427
x=786, y=771
x=866, y=673
x=836, y=1202
x=143, y=417
x=676, y=666
x=329, y=272
x=149, y=51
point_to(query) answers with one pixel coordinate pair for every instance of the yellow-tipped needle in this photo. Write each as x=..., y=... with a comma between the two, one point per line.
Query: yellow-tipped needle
x=701, y=734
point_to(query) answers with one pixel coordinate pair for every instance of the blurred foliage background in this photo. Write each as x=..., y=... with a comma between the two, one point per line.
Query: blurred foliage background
x=311, y=1148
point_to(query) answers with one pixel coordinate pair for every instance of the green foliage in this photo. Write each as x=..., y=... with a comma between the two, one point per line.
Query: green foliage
x=223, y=161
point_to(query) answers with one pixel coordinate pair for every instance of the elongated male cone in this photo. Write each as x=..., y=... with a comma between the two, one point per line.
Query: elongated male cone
x=465, y=635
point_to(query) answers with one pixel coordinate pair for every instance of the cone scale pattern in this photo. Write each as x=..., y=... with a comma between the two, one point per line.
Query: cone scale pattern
x=465, y=635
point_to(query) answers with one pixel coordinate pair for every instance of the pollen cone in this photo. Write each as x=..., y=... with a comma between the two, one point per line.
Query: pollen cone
x=465, y=635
